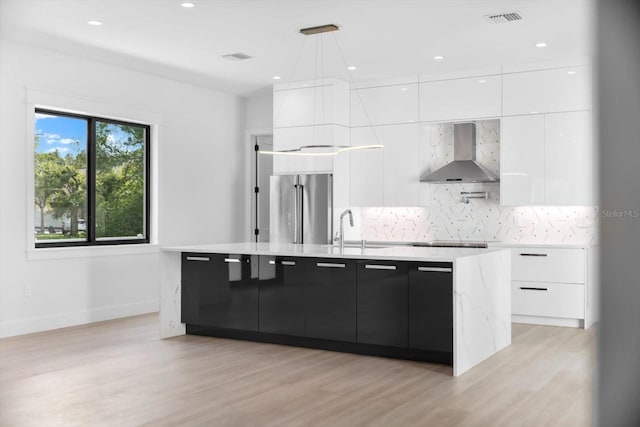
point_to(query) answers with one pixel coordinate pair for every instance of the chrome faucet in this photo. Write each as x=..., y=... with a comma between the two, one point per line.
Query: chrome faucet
x=341, y=236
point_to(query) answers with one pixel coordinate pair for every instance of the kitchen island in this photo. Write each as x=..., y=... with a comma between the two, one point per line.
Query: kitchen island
x=362, y=300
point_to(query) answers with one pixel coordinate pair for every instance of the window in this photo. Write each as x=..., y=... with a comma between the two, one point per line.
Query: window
x=91, y=183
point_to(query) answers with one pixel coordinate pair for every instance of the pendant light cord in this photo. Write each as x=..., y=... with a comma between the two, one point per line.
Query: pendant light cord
x=286, y=91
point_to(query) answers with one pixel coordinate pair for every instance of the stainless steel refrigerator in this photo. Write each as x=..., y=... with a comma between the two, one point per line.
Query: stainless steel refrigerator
x=301, y=208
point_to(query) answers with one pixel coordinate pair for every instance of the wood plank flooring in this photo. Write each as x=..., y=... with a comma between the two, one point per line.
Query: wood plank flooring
x=118, y=373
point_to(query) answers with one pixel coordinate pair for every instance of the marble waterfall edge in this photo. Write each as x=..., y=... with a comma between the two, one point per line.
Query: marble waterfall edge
x=482, y=308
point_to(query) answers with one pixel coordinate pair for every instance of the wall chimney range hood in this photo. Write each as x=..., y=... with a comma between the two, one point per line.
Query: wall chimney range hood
x=464, y=167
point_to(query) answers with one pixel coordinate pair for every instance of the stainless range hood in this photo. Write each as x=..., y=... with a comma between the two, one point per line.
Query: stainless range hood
x=464, y=167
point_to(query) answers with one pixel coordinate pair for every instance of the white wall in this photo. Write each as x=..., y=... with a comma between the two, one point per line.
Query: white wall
x=200, y=165
x=260, y=111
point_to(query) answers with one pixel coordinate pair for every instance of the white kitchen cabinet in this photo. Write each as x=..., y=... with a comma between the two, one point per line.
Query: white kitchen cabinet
x=367, y=169
x=567, y=159
x=388, y=176
x=324, y=102
x=384, y=105
x=461, y=99
x=401, y=165
x=553, y=286
x=545, y=160
x=546, y=91
x=288, y=138
x=522, y=179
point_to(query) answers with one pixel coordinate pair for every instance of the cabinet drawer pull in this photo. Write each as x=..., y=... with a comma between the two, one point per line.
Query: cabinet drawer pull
x=231, y=260
x=436, y=269
x=198, y=258
x=533, y=255
x=525, y=288
x=379, y=267
x=330, y=265
x=272, y=262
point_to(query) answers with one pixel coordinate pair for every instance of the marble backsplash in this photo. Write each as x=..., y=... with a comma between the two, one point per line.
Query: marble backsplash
x=481, y=220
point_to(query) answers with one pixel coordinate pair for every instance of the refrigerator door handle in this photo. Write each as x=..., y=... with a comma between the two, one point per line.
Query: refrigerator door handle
x=295, y=213
x=300, y=200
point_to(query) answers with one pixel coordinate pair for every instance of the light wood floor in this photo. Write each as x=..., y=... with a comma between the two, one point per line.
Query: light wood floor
x=118, y=373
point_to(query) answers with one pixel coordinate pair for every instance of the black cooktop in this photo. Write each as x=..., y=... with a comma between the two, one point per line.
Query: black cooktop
x=451, y=244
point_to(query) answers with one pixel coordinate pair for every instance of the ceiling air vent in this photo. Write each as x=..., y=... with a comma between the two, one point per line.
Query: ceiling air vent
x=503, y=18
x=238, y=56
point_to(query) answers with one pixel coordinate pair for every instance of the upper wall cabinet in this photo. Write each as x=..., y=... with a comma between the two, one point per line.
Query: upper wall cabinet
x=460, y=99
x=522, y=160
x=306, y=104
x=388, y=176
x=384, y=105
x=547, y=91
x=545, y=160
x=567, y=159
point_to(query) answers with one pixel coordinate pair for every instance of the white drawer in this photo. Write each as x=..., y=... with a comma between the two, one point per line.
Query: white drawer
x=548, y=265
x=547, y=299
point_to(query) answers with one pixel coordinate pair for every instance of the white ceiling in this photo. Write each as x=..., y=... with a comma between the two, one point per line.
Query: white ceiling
x=383, y=38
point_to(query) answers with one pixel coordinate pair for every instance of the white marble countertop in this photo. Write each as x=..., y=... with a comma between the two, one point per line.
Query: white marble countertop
x=396, y=253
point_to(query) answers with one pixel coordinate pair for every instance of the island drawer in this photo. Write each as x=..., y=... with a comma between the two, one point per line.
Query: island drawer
x=565, y=300
x=548, y=265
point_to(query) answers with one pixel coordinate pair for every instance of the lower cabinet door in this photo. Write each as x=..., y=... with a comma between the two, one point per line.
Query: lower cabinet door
x=281, y=307
x=383, y=298
x=237, y=282
x=431, y=306
x=330, y=299
x=199, y=293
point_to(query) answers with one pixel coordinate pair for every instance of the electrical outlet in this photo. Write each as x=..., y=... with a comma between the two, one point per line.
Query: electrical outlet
x=27, y=290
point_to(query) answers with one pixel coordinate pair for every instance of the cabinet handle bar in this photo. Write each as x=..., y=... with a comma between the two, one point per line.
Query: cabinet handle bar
x=330, y=265
x=524, y=288
x=436, y=269
x=198, y=258
x=533, y=255
x=231, y=260
x=379, y=267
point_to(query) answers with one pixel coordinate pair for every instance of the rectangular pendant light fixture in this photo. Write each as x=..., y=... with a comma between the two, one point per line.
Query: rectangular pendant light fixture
x=321, y=29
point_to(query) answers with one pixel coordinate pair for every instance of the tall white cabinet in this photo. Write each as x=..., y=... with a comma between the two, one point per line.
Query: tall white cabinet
x=546, y=145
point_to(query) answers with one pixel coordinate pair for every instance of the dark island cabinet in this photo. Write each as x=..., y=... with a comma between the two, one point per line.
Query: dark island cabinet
x=237, y=282
x=199, y=290
x=220, y=290
x=383, y=296
x=431, y=306
x=380, y=307
x=331, y=299
x=282, y=290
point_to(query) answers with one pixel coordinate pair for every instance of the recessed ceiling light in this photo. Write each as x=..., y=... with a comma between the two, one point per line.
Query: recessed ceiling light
x=94, y=23
x=352, y=67
x=438, y=57
x=276, y=77
x=571, y=72
x=541, y=44
x=404, y=89
x=482, y=81
x=187, y=4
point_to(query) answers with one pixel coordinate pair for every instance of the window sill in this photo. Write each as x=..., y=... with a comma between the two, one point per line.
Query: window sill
x=38, y=254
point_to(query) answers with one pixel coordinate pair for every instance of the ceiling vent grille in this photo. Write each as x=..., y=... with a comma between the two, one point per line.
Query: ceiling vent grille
x=238, y=56
x=503, y=18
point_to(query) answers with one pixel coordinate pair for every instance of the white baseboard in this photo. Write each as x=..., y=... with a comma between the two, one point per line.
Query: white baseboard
x=547, y=321
x=12, y=328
